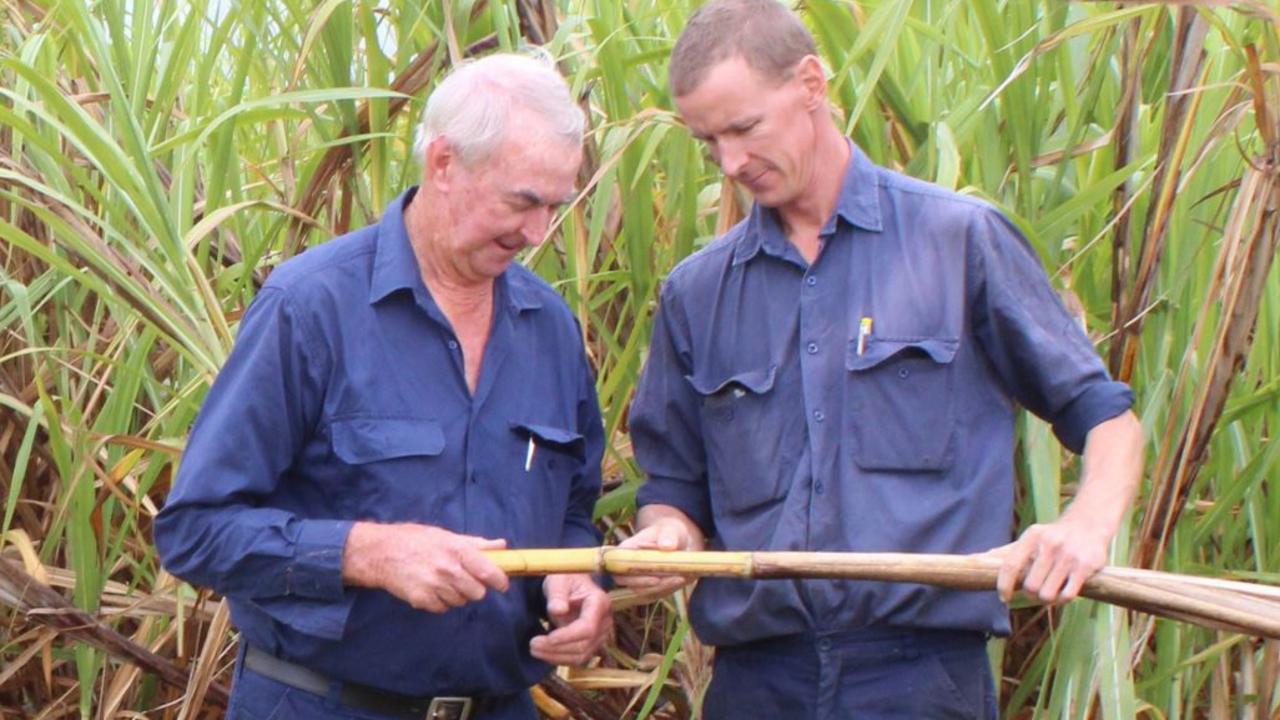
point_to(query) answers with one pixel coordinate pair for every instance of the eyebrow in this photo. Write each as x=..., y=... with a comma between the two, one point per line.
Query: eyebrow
x=534, y=198
x=737, y=124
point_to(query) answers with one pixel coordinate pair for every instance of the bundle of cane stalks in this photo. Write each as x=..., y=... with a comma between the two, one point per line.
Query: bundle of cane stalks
x=1240, y=607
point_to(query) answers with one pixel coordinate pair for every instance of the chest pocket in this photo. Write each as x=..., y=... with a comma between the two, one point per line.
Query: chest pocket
x=390, y=469
x=558, y=448
x=362, y=440
x=739, y=419
x=903, y=404
x=537, y=494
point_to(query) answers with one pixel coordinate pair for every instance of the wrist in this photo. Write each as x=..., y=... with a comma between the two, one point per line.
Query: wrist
x=361, y=555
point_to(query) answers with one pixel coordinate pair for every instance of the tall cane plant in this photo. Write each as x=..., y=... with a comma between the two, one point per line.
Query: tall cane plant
x=157, y=160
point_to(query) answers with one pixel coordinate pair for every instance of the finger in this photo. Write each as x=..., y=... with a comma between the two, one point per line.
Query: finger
x=640, y=541
x=576, y=649
x=471, y=589
x=579, y=632
x=450, y=597
x=996, y=552
x=670, y=537
x=428, y=600
x=668, y=584
x=557, y=591
x=638, y=582
x=588, y=625
x=483, y=569
x=562, y=657
x=481, y=543
x=1075, y=583
x=1015, y=561
x=1050, y=589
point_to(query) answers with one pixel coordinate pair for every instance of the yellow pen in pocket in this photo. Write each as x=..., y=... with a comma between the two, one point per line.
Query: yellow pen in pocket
x=864, y=332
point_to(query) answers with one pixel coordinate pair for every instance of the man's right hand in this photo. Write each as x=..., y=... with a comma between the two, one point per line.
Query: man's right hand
x=428, y=567
x=662, y=527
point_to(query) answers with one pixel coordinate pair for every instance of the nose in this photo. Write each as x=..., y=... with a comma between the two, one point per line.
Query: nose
x=732, y=157
x=536, y=222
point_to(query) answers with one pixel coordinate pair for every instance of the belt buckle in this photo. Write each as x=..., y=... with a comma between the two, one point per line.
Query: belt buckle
x=449, y=708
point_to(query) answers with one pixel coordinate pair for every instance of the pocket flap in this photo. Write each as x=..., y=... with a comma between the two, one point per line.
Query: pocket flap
x=549, y=435
x=757, y=381
x=369, y=439
x=877, y=350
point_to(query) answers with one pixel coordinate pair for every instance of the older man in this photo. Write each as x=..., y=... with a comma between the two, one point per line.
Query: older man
x=840, y=372
x=398, y=400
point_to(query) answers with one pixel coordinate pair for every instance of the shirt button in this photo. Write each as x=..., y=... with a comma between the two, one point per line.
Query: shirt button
x=812, y=348
x=453, y=344
x=824, y=644
x=819, y=488
x=903, y=373
x=811, y=281
x=819, y=415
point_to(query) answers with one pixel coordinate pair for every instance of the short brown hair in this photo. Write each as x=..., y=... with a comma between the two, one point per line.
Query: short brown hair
x=764, y=33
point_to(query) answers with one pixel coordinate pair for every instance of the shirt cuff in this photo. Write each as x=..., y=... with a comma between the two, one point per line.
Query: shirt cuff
x=575, y=535
x=687, y=497
x=1096, y=405
x=316, y=569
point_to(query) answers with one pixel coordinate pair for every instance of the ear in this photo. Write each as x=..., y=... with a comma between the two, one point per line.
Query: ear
x=813, y=80
x=440, y=164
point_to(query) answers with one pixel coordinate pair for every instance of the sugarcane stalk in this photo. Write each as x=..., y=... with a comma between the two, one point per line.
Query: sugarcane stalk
x=1244, y=608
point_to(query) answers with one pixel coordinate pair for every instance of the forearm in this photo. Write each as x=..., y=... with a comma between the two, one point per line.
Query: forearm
x=1111, y=474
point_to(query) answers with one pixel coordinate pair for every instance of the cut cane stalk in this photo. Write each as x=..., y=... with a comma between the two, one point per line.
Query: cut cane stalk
x=1234, y=606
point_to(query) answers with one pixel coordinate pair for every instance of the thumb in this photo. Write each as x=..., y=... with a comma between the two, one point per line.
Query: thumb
x=482, y=543
x=557, y=597
x=669, y=538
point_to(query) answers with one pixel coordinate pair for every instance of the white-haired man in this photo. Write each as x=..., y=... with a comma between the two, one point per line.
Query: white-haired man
x=398, y=400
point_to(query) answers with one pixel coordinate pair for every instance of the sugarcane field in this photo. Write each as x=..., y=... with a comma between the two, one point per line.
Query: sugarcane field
x=671, y=360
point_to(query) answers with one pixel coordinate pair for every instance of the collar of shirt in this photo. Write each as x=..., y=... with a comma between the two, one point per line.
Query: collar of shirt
x=395, y=267
x=858, y=204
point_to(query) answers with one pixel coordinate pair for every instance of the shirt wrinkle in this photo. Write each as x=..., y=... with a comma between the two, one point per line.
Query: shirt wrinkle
x=887, y=424
x=414, y=447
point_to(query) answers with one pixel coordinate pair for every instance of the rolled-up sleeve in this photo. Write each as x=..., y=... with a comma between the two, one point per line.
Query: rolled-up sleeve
x=1040, y=353
x=665, y=421
x=214, y=529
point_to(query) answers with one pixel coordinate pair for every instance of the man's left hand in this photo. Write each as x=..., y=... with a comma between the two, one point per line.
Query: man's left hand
x=1051, y=561
x=581, y=612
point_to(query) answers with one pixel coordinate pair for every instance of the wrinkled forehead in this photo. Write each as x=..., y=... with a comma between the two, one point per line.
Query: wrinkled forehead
x=544, y=164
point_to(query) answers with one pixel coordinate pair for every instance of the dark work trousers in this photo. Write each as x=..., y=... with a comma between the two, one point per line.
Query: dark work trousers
x=255, y=697
x=870, y=674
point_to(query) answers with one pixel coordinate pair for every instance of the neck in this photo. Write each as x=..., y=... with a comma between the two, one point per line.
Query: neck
x=453, y=292
x=811, y=208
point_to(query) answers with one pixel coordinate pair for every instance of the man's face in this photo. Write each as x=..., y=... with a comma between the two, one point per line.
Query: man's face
x=759, y=130
x=505, y=203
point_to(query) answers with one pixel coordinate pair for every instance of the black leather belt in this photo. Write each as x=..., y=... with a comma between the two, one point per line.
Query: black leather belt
x=364, y=697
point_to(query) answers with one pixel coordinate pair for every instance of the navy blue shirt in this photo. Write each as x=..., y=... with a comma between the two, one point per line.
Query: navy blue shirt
x=345, y=399
x=864, y=403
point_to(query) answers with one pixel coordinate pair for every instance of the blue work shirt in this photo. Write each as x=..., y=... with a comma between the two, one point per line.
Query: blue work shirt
x=861, y=403
x=345, y=399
